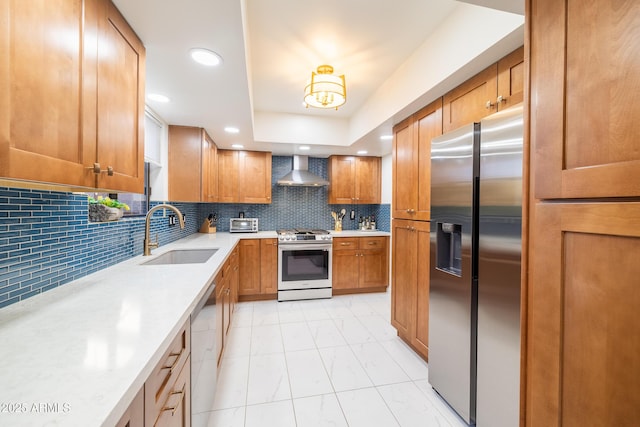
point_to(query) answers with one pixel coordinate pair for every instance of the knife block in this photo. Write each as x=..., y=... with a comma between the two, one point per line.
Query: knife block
x=206, y=227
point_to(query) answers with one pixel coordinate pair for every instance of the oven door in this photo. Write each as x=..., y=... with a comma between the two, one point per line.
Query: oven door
x=304, y=266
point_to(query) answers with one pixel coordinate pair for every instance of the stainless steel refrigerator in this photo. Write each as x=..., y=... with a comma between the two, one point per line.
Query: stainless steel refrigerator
x=474, y=297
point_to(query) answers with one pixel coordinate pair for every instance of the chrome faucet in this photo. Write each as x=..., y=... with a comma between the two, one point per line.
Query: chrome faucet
x=148, y=244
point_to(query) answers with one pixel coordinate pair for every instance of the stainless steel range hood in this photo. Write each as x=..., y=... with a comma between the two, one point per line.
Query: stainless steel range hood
x=300, y=175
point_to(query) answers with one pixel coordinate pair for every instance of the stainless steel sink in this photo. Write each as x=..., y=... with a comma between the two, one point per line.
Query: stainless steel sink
x=183, y=256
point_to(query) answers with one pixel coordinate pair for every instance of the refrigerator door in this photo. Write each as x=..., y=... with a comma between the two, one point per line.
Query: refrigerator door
x=499, y=250
x=452, y=272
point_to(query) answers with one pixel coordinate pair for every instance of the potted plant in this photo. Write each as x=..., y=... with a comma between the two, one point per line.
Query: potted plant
x=105, y=209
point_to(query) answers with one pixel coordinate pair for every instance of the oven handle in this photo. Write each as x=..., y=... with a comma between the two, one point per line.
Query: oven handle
x=303, y=246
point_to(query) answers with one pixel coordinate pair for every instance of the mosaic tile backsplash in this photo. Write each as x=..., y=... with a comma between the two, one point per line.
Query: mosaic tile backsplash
x=46, y=239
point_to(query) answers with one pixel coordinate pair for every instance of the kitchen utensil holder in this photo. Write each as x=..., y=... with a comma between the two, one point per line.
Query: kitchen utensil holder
x=206, y=227
x=338, y=225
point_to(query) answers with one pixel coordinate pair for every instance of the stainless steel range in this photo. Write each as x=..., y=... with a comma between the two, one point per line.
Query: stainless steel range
x=304, y=264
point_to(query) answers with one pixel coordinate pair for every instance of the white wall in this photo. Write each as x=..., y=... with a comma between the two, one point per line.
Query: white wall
x=386, y=179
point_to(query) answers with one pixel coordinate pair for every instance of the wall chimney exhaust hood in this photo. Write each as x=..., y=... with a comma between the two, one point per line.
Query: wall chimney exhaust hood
x=300, y=175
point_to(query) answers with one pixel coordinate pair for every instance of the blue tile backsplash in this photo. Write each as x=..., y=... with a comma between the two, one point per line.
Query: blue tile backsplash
x=46, y=239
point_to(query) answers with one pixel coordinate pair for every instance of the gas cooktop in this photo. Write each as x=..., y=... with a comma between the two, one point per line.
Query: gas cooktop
x=303, y=235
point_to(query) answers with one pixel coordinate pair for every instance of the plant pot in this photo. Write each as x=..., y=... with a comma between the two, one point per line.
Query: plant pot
x=102, y=213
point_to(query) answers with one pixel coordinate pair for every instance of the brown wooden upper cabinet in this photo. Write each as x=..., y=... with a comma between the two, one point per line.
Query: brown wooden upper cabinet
x=244, y=176
x=412, y=162
x=192, y=165
x=67, y=108
x=587, y=75
x=497, y=87
x=354, y=180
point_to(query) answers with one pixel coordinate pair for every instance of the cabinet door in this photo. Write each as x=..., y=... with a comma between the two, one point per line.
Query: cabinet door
x=47, y=91
x=428, y=125
x=420, y=321
x=249, y=267
x=134, y=415
x=584, y=115
x=268, y=266
x=404, y=273
x=219, y=320
x=374, y=269
x=405, y=170
x=583, y=336
x=368, y=177
x=176, y=411
x=511, y=79
x=345, y=268
x=471, y=101
x=227, y=176
x=184, y=162
x=120, y=91
x=234, y=284
x=210, y=169
x=342, y=176
x=254, y=177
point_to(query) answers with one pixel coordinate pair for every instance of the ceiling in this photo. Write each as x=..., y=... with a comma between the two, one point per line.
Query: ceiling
x=396, y=57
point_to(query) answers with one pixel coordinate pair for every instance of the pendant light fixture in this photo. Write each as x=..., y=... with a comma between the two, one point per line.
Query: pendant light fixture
x=325, y=90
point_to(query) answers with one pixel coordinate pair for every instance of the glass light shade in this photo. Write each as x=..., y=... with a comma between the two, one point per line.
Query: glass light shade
x=205, y=57
x=325, y=90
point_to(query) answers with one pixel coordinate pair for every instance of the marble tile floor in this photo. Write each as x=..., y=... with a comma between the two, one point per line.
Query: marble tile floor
x=336, y=362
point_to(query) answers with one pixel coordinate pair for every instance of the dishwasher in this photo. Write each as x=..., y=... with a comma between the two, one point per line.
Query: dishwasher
x=204, y=360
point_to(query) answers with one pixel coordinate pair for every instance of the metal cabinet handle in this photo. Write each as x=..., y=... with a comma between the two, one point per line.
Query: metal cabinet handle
x=501, y=99
x=345, y=244
x=97, y=169
x=177, y=357
x=175, y=407
x=372, y=243
x=489, y=105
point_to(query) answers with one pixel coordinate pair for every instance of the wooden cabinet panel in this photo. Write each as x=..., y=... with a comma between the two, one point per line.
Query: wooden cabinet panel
x=120, y=91
x=471, y=101
x=342, y=176
x=160, y=384
x=368, y=180
x=184, y=162
x=65, y=106
x=249, y=267
x=410, y=283
x=193, y=164
x=360, y=263
x=227, y=176
x=221, y=285
x=584, y=74
x=176, y=411
x=511, y=79
x=47, y=91
x=134, y=415
x=583, y=297
x=345, y=269
x=354, y=180
x=210, y=170
x=412, y=162
x=269, y=266
x=244, y=176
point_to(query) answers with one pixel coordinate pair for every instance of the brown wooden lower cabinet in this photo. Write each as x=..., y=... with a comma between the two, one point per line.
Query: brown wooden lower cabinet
x=360, y=264
x=258, y=269
x=410, y=283
x=134, y=415
x=167, y=390
x=583, y=334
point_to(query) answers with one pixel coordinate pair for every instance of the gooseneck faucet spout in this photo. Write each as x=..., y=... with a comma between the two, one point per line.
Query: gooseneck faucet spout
x=148, y=244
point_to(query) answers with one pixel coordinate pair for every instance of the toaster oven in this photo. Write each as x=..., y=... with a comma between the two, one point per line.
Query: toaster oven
x=243, y=225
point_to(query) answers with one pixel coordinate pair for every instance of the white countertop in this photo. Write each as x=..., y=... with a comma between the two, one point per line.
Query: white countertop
x=78, y=354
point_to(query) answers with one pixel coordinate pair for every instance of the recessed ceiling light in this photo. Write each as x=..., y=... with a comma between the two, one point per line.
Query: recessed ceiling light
x=231, y=129
x=304, y=147
x=205, y=57
x=362, y=152
x=158, y=97
x=386, y=137
x=237, y=146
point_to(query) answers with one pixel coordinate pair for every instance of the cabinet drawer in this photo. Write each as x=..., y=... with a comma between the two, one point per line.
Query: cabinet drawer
x=175, y=409
x=159, y=384
x=345, y=243
x=372, y=242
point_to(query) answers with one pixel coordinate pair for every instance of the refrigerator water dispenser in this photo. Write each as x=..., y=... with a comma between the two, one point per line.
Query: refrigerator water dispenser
x=449, y=248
